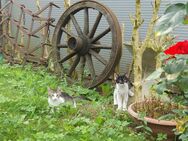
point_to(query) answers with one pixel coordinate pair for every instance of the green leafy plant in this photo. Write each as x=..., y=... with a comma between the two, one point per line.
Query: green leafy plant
x=161, y=137
x=182, y=128
x=144, y=126
x=174, y=15
x=106, y=88
x=172, y=79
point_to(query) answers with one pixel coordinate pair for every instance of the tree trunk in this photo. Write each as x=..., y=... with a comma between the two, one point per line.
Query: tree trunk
x=158, y=61
x=137, y=56
x=137, y=72
x=139, y=47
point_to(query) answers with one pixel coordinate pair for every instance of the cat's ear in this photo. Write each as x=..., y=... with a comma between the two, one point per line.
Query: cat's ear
x=58, y=89
x=126, y=75
x=115, y=76
x=50, y=91
x=128, y=79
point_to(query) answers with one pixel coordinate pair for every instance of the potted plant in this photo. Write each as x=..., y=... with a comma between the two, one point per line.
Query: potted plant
x=151, y=112
x=171, y=79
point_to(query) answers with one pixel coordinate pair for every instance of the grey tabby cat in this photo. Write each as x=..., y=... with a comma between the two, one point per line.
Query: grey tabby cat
x=57, y=97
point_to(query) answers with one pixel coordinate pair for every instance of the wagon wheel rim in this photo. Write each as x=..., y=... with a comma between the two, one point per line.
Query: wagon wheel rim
x=85, y=43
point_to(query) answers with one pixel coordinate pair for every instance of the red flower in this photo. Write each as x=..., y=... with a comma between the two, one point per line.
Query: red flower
x=178, y=48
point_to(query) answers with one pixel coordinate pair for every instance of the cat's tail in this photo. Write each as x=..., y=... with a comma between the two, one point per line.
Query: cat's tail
x=131, y=93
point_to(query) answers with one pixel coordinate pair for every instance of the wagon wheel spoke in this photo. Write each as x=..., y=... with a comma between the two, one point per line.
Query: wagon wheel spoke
x=67, y=57
x=86, y=21
x=99, y=46
x=92, y=33
x=90, y=65
x=67, y=32
x=98, y=57
x=62, y=46
x=76, y=25
x=82, y=66
x=74, y=65
x=98, y=37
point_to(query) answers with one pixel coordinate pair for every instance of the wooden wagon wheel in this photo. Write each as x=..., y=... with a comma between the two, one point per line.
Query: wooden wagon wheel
x=87, y=52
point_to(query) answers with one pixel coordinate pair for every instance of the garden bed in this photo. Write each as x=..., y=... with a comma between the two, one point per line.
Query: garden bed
x=24, y=112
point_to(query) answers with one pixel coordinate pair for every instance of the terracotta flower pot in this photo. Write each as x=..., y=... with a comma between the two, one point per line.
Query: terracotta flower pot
x=157, y=126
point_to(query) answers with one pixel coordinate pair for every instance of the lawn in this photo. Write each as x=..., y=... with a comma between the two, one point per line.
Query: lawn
x=25, y=114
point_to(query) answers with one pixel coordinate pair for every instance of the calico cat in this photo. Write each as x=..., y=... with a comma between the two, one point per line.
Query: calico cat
x=122, y=91
x=56, y=97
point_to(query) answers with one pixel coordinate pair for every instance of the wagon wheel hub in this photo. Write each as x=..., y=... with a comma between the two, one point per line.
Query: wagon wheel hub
x=80, y=45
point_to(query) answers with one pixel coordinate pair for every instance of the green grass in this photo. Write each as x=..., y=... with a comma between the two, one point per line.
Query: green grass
x=25, y=115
